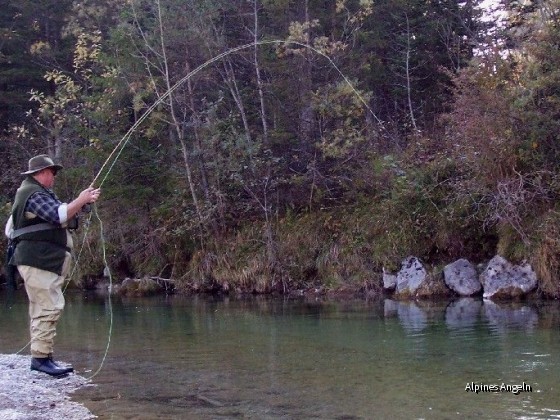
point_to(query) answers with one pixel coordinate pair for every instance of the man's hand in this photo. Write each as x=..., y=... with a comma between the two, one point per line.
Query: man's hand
x=89, y=195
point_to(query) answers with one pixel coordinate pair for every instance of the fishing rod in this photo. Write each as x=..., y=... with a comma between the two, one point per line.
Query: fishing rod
x=117, y=150
x=115, y=154
x=121, y=144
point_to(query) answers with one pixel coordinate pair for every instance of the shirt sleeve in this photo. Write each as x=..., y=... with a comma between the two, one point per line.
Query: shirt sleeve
x=63, y=213
x=9, y=227
x=45, y=207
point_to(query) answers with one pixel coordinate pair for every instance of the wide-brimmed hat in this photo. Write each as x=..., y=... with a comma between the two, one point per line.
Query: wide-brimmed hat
x=40, y=162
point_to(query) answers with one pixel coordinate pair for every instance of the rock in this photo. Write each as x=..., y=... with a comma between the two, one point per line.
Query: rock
x=501, y=279
x=461, y=277
x=389, y=280
x=411, y=276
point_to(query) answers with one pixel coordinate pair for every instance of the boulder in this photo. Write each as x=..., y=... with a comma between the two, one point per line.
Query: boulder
x=501, y=279
x=461, y=277
x=411, y=276
x=389, y=280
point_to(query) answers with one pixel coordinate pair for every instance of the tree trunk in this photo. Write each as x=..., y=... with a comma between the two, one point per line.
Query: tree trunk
x=231, y=82
x=258, y=72
x=176, y=123
x=306, y=114
x=199, y=150
x=407, y=70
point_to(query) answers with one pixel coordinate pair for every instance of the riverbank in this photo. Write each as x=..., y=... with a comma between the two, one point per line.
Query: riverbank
x=30, y=395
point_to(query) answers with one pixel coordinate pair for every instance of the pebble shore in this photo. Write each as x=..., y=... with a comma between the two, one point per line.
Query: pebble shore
x=30, y=395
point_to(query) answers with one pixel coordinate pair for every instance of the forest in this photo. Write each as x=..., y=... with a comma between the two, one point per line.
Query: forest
x=278, y=145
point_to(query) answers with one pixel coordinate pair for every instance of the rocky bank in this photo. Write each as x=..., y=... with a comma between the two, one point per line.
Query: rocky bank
x=30, y=395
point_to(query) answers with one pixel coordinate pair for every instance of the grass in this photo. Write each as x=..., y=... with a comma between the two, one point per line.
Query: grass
x=341, y=249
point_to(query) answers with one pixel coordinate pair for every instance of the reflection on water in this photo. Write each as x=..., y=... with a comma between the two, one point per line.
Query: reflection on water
x=464, y=313
x=263, y=358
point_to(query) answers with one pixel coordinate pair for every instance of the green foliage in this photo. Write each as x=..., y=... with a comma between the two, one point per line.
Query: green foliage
x=27, y=27
x=504, y=133
x=538, y=91
x=330, y=194
x=340, y=112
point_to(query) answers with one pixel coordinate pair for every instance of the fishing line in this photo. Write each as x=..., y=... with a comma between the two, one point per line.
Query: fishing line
x=121, y=144
x=108, y=273
x=77, y=261
x=117, y=150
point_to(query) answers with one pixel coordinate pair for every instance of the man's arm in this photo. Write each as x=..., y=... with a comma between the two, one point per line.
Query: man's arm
x=87, y=196
x=45, y=207
x=53, y=211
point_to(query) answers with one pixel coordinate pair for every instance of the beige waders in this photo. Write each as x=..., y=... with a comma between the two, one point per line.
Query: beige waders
x=46, y=302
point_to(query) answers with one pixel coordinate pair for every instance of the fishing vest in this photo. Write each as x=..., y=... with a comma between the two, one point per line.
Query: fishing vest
x=44, y=249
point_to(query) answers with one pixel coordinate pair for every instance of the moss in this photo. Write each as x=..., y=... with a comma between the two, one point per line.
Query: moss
x=511, y=245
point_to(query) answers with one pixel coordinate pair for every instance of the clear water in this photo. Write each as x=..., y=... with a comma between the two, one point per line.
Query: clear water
x=264, y=358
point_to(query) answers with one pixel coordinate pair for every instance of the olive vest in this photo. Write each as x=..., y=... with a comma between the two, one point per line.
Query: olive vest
x=45, y=249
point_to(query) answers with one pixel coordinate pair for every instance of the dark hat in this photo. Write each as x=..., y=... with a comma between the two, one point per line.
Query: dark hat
x=38, y=163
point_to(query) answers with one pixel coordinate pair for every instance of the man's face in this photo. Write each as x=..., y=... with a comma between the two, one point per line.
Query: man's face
x=46, y=177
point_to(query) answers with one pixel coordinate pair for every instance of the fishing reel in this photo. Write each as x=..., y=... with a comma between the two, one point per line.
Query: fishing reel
x=74, y=222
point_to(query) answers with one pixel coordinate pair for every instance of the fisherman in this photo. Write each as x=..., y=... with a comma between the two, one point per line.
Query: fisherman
x=39, y=225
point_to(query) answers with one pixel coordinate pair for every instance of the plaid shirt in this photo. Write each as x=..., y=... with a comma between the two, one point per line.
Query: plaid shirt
x=44, y=205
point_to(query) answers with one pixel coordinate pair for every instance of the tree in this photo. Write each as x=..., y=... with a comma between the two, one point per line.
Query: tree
x=30, y=41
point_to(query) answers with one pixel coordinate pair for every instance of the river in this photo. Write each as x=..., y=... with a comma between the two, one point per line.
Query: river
x=272, y=358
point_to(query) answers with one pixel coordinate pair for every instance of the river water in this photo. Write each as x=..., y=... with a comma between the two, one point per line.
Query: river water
x=272, y=358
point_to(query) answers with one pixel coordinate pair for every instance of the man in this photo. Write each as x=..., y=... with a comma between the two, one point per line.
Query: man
x=39, y=224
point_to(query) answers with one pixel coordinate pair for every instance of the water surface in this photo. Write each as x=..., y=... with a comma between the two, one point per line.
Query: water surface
x=270, y=358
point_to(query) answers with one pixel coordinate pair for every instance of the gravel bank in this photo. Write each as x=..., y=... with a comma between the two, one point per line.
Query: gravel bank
x=30, y=395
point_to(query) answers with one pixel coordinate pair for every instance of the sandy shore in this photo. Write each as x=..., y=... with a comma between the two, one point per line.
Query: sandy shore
x=30, y=395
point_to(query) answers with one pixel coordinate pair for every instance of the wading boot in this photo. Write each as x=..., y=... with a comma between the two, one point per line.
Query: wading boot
x=57, y=365
x=46, y=365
